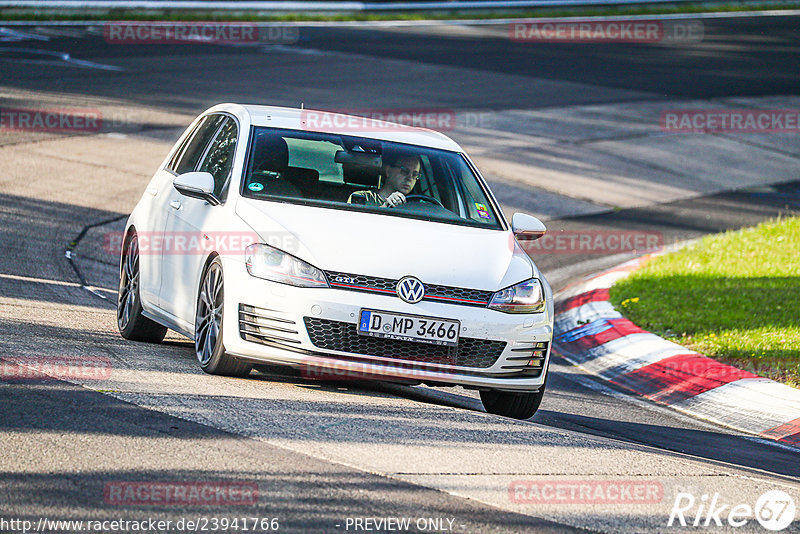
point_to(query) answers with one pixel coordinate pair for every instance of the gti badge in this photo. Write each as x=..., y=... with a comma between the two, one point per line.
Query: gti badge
x=410, y=289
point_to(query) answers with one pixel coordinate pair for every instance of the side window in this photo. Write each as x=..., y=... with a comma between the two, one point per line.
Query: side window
x=477, y=205
x=219, y=158
x=188, y=156
x=176, y=157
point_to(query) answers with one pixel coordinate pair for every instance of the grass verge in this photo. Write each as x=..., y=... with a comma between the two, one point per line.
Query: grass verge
x=734, y=297
x=89, y=14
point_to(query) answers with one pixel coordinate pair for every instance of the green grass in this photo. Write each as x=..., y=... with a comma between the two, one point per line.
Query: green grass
x=733, y=296
x=88, y=14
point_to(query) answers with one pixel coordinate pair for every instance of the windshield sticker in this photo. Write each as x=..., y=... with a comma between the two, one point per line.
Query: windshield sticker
x=255, y=186
x=483, y=213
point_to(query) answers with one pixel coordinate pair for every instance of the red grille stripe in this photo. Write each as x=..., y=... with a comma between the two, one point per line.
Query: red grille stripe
x=366, y=288
x=457, y=299
x=362, y=288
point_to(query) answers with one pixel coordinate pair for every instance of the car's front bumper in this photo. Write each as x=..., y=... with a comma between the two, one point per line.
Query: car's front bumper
x=276, y=316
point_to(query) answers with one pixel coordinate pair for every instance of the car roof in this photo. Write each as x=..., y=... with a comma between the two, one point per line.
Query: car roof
x=340, y=123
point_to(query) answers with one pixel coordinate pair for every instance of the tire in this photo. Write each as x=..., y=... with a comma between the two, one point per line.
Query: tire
x=208, y=346
x=130, y=321
x=513, y=405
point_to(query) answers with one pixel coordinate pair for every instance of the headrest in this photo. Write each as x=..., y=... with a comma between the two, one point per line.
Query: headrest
x=270, y=153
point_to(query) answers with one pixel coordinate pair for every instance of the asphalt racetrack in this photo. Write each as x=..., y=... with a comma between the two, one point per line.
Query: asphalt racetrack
x=568, y=132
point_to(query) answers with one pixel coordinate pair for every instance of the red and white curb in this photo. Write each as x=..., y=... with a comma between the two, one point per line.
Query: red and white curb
x=590, y=333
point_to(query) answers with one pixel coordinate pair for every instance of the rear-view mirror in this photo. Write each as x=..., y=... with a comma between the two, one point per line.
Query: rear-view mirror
x=357, y=158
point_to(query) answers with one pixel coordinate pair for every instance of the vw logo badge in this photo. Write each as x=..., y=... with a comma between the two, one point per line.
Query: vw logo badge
x=410, y=289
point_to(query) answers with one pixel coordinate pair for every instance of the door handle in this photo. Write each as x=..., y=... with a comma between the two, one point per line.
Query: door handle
x=175, y=204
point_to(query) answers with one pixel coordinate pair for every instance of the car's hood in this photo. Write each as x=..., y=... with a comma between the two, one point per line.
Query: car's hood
x=389, y=247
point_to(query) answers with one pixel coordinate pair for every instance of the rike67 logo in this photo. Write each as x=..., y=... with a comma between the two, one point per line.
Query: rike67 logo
x=774, y=510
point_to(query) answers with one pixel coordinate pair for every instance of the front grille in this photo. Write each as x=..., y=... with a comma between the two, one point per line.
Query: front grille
x=341, y=336
x=386, y=286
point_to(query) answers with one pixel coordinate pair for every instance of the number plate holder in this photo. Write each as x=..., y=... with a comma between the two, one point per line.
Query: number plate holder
x=406, y=327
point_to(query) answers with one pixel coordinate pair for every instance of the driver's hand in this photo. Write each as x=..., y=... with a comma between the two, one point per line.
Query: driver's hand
x=394, y=200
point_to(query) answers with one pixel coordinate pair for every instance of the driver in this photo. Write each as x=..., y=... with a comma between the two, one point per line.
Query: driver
x=398, y=176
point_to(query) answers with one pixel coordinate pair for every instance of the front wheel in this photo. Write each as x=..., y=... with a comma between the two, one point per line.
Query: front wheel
x=208, y=327
x=131, y=322
x=513, y=405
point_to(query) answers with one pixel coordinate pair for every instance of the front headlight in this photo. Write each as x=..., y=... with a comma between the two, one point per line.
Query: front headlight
x=264, y=261
x=525, y=297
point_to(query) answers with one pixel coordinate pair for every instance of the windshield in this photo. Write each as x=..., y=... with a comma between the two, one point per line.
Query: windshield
x=355, y=173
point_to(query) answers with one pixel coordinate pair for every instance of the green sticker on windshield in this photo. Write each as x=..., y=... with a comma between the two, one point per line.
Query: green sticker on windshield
x=483, y=213
x=255, y=186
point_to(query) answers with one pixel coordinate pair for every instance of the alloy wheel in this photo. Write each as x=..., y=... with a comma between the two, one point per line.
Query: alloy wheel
x=128, y=284
x=208, y=323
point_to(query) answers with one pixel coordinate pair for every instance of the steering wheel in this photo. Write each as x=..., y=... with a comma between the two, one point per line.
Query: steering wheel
x=424, y=198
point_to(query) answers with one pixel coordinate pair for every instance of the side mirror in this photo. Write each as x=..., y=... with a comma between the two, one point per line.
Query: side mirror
x=196, y=185
x=526, y=227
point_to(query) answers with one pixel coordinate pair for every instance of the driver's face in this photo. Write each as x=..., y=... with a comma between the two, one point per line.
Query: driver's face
x=402, y=176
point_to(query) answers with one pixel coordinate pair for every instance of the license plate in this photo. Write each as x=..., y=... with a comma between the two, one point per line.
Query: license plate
x=409, y=328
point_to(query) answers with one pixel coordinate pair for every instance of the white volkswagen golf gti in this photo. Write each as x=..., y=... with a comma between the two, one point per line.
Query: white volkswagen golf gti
x=337, y=243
